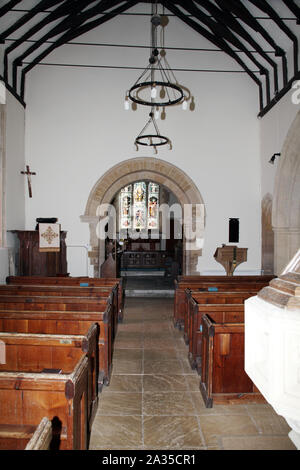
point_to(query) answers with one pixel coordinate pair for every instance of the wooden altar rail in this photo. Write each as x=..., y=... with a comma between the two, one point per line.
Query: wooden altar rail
x=28, y=352
x=109, y=294
x=38, y=318
x=80, y=281
x=26, y=397
x=206, y=283
x=223, y=378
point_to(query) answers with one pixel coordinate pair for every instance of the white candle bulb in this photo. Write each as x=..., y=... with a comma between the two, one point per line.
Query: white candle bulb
x=153, y=92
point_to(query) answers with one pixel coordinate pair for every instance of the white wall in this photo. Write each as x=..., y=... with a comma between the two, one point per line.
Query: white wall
x=14, y=213
x=274, y=127
x=76, y=129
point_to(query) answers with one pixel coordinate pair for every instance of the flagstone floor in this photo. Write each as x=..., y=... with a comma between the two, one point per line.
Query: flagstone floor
x=154, y=402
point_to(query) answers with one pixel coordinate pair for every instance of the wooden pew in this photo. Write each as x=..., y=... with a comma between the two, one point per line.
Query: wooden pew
x=82, y=281
x=223, y=378
x=98, y=293
x=195, y=344
x=206, y=283
x=42, y=437
x=27, y=397
x=22, y=437
x=206, y=298
x=36, y=317
x=29, y=352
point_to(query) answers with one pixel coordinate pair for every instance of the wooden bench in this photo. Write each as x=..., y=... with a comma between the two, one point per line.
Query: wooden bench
x=223, y=378
x=206, y=298
x=18, y=437
x=37, y=320
x=42, y=437
x=30, y=352
x=195, y=343
x=81, y=281
x=109, y=294
x=61, y=397
x=221, y=283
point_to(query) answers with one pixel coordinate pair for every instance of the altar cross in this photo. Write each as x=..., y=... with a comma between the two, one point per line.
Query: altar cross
x=28, y=173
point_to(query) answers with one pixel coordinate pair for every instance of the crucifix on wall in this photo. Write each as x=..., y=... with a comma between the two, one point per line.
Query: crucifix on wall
x=28, y=173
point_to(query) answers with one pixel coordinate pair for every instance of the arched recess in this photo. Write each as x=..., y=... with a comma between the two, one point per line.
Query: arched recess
x=267, y=235
x=286, y=202
x=160, y=172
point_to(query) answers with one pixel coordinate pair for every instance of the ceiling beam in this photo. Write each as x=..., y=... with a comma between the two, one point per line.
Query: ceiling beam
x=219, y=42
x=44, y=4
x=294, y=8
x=74, y=17
x=220, y=29
x=6, y=8
x=227, y=18
x=72, y=33
x=236, y=7
x=60, y=11
x=266, y=8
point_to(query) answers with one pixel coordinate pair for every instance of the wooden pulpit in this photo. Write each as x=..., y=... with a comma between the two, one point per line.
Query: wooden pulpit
x=33, y=262
x=230, y=256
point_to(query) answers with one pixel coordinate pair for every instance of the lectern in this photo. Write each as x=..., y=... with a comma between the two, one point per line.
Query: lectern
x=33, y=262
x=230, y=257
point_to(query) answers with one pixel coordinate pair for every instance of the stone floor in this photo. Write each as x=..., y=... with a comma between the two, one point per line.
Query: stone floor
x=153, y=401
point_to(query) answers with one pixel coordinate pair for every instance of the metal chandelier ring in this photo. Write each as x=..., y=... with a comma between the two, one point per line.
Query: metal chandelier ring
x=155, y=103
x=139, y=141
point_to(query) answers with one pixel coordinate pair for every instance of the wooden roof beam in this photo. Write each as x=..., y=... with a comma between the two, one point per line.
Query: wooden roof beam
x=74, y=18
x=75, y=32
x=216, y=41
x=221, y=29
x=227, y=18
x=6, y=8
x=60, y=11
x=266, y=8
x=293, y=8
x=236, y=7
x=44, y=4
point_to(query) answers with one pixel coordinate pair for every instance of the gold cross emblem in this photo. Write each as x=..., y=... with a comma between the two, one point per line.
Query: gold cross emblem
x=49, y=235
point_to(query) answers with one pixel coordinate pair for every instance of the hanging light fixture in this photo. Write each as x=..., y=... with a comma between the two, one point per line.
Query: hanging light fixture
x=154, y=139
x=157, y=85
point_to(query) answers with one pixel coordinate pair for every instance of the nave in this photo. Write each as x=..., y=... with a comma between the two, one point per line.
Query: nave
x=153, y=400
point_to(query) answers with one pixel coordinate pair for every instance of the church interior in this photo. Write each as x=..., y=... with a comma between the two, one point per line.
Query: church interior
x=150, y=225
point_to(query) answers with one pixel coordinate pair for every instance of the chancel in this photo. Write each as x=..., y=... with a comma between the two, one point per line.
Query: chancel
x=149, y=300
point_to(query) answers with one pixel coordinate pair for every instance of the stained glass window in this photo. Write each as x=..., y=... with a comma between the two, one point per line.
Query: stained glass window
x=139, y=206
x=125, y=207
x=153, y=200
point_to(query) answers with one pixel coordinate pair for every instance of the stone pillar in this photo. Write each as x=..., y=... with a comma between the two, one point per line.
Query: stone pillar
x=286, y=244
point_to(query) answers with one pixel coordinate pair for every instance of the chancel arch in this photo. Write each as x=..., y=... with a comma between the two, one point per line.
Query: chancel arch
x=286, y=203
x=161, y=173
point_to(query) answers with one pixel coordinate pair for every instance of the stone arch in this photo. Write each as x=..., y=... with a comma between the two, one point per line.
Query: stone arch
x=267, y=235
x=161, y=172
x=286, y=203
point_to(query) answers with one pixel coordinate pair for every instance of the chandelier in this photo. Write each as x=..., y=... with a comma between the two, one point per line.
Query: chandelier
x=151, y=139
x=156, y=87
